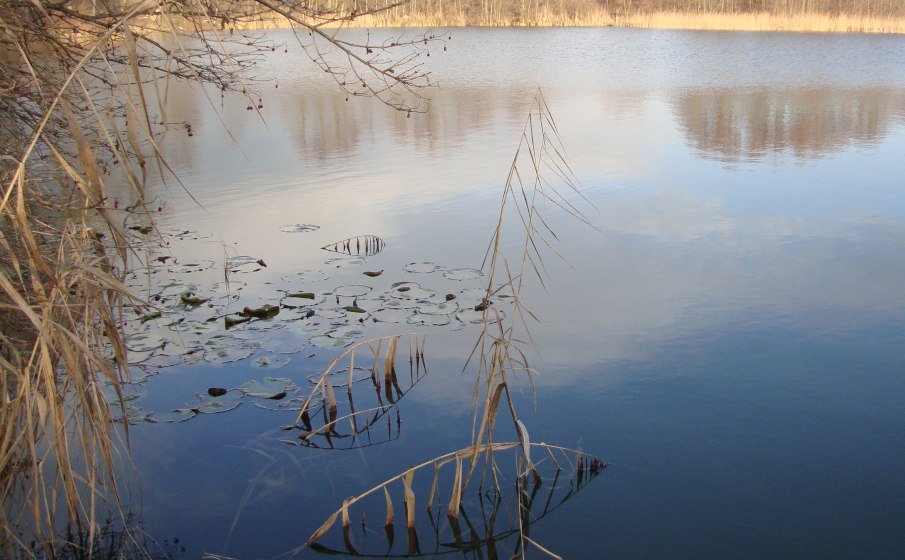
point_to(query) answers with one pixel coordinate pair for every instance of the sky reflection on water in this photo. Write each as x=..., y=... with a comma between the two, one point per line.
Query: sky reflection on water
x=734, y=330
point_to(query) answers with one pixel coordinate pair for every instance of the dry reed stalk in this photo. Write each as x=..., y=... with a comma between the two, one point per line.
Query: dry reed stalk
x=322, y=398
x=590, y=467
x=538, y=173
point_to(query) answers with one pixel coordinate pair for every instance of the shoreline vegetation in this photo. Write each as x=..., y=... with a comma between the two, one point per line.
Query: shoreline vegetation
x=833, y=16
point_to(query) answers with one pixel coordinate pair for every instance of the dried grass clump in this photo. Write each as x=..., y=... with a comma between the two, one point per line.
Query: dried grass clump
x=59, y=311
x=85, y=89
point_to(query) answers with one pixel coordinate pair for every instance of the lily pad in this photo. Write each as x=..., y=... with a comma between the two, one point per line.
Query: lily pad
x=312, y=276
x=299, y=228
x=337, y=338
x=266, y=388
x=188, y=234
x=271, y=362
x=354, y=309
x=189, y=267
x=340, y=262
x=224, y=403
x=144, y=342
x=417, y=318
x=469, y=315
x=421, y=268
x=244, y=263
x=303, y=295
x=412, y=291
x=205, y=404
x=391, y=315
x=326, y=341
x=372, y=304
x=346, y=331
x=462, y=274
x=352, y=290
x=445, y=308
x=189, y=298
x=266, y=311
x=227, y=354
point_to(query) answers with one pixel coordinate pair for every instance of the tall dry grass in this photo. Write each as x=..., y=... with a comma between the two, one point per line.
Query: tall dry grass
x=84, y=89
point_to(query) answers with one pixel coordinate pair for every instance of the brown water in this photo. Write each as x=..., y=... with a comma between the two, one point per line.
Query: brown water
x=730, y=341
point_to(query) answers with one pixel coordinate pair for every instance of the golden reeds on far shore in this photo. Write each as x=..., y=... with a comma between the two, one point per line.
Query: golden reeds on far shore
x=763, y=21
x=588, y=13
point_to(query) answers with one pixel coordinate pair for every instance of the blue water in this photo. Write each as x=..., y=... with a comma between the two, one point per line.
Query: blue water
x=729, y=339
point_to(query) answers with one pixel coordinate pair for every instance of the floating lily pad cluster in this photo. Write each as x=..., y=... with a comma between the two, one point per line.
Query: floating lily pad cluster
x=213, y=400
x=202, y=311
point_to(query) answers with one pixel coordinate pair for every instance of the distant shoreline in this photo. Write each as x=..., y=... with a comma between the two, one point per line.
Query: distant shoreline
x=711, y=21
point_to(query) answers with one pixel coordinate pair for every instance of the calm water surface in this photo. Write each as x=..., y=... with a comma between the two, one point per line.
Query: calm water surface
x=731, y=340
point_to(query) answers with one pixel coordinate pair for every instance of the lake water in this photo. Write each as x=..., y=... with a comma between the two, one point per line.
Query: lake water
x=730, y=341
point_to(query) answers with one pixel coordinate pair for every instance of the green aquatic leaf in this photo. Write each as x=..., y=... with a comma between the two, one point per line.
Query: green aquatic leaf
x=303, y=295
x=265, y=311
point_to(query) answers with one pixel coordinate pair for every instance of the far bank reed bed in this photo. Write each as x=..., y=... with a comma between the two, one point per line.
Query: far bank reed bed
x=763, y=21
x=847, y=16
